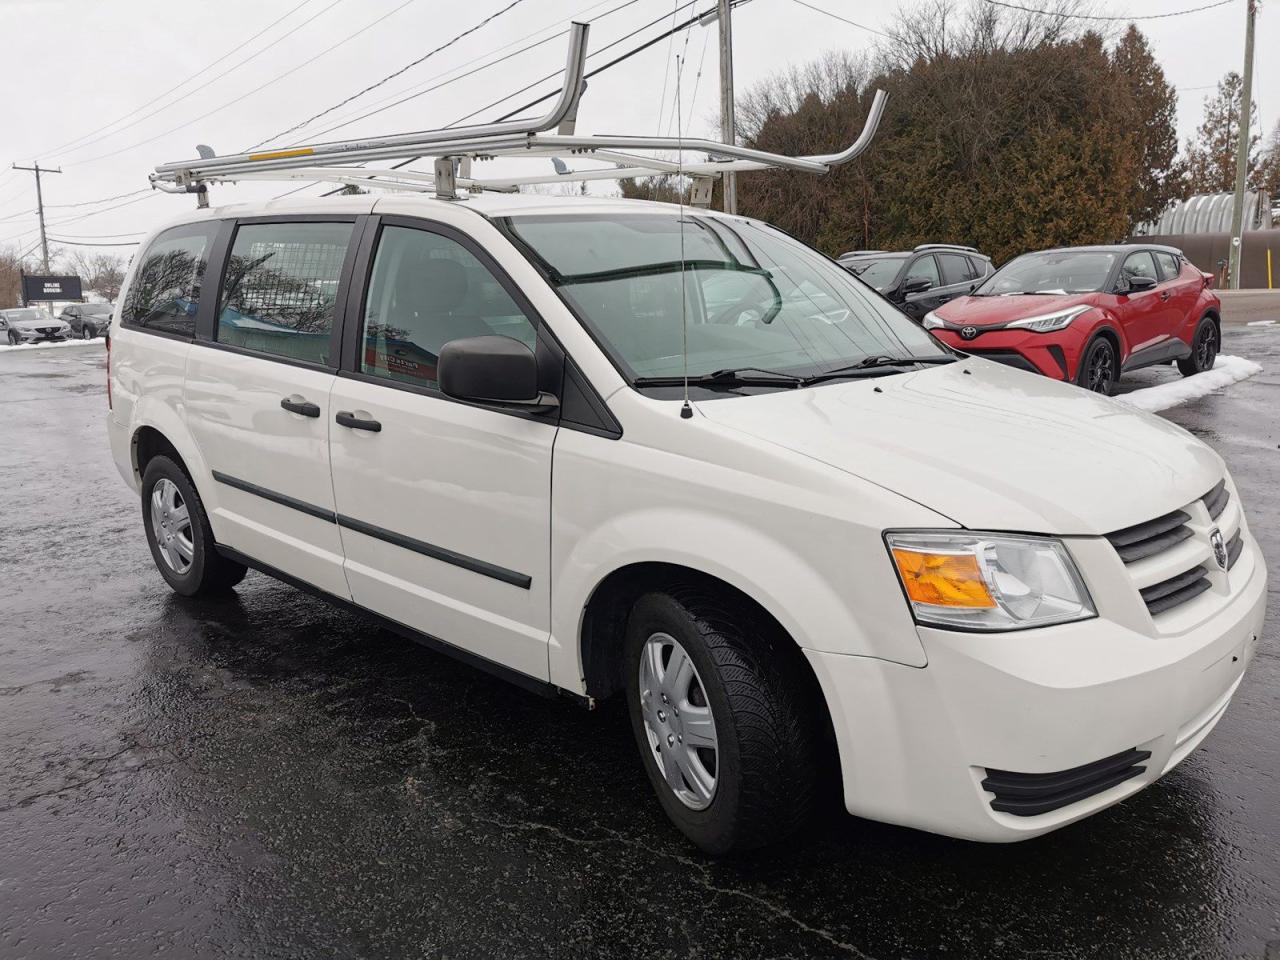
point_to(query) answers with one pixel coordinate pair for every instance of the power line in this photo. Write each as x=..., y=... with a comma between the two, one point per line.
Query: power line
x=90, y=203
x=238, y=47
x=276, y=79
x=1090, y=16
x=77, y=243
x=477, y=69
x=836, y=16
x=390, y=76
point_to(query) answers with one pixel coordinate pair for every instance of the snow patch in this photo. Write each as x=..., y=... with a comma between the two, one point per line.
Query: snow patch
x=47, y=344
x=1226, y=371
x=1261, y=323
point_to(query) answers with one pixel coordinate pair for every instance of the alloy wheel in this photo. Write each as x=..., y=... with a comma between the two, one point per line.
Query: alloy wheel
x=678, y=721
x=1206, y=347
x=1101, y=370
x=171, y=526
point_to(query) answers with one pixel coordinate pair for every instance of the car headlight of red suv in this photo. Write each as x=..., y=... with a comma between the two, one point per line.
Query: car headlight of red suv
x=1049, y=322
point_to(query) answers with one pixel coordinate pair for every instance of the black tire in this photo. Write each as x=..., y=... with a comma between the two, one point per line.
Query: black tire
x=209, y=572
x=1204, y=349
x=13, y=339
x=85, y=333
x=1099, y=367
x=767, y=760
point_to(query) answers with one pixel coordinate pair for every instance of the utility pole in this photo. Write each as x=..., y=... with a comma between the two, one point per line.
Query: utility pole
x=727, y=132
x=44, y=241
x=1242, y=146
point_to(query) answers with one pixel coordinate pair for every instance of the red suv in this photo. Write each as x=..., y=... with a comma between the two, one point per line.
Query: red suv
x=1086, y=314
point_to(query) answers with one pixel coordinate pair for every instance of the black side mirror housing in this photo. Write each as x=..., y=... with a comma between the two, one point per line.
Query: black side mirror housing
x=492, y=370
x=918, y=285
x=1139, y=284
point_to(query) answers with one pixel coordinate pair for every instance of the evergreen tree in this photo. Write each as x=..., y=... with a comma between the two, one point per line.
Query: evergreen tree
x=1153, y=112
x=1211, y=157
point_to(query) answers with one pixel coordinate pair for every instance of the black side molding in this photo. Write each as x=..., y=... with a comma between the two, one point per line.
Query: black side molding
x=482, y=567
x=301, y=505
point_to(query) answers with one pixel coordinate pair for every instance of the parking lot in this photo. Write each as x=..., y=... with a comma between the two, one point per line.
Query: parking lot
x=267, y=776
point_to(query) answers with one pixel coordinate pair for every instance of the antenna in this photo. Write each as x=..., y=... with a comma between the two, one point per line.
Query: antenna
x=686, y=411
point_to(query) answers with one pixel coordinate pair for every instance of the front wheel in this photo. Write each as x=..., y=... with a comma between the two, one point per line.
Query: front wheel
x=179, y=534
x=85, y=333
x=1204, y=349
x=1100, y=367
x=724, y=719
x=14, y=339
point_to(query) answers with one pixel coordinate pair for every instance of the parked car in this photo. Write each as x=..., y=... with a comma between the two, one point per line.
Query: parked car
x=30, y=325
x=1087, y=314
x=88, y=320
x=919, y=280
x=995, y=604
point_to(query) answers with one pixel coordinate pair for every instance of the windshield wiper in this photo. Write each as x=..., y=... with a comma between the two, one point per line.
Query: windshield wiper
x=876, y=366
x=729, y=377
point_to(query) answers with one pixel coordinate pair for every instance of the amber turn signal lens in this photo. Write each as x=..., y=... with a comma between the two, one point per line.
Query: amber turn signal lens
x=942, y=579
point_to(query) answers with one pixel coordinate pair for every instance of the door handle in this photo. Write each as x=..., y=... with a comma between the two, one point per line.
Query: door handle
x=304, y=407
x=346, y=418
x=1164, y=294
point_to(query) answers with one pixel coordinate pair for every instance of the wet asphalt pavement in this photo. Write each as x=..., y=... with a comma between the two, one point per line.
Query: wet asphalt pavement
x=266, y=776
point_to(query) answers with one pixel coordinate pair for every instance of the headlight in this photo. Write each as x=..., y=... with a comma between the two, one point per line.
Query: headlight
x=932, y=321
x=988, y=581
x=1048, y=322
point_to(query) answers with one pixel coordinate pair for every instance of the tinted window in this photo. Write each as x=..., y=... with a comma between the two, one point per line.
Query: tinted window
x=165, y=291
x=979, y=267
x=924, y=268
x=280, y=288
x=880, y=274
x=1169, y=265
x=955, y=268
x=427, y=290
x=1140, y=265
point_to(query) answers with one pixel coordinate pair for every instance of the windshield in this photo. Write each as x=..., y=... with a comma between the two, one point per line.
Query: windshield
x=753, y=297
x=1054, y=271
x=12, y=315
x=96, y=309
x=878, y=274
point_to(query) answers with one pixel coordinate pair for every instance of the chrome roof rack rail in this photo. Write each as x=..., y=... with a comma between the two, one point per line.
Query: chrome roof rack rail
x=452, y=149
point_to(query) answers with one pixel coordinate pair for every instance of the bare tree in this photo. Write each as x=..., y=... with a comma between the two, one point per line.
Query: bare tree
x=102, y=273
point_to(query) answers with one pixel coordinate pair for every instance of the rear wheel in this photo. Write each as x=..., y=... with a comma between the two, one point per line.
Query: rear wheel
x=1204, y=349
x=724, y=720
x=179, y=534
x=1100, y=367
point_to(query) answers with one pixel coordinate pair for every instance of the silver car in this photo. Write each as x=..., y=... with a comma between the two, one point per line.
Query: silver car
x=29, y=325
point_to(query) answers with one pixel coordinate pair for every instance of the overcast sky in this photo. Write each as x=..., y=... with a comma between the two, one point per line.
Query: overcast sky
x=70, y=67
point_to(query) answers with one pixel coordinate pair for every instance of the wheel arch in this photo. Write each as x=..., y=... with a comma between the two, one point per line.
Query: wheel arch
x=605, y=618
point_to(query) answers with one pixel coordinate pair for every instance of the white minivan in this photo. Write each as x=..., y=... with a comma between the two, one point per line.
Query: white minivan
x=988, y=603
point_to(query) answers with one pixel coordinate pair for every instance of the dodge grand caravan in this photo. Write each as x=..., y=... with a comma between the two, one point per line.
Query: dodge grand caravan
x=990, y=603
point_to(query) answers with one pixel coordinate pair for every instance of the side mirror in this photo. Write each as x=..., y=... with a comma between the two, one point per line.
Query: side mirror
x=918, y=285
x=498, y=371
x=1139, y=284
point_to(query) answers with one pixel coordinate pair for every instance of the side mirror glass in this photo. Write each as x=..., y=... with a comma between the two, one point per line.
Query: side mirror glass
x=500, y=371
x=917, y=285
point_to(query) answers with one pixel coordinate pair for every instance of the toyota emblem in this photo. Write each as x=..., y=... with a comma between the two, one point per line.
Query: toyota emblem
x=1219, y=548
x=968, y=333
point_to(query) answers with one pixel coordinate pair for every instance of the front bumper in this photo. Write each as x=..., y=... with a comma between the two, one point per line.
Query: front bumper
x=39, y=336
x=1053, y=354
x=916, y=743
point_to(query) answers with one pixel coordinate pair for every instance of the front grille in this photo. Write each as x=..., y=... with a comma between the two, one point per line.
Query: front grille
x=1167, y=594
x=1031, y=794
x=1215, y=501
x=1147, y=539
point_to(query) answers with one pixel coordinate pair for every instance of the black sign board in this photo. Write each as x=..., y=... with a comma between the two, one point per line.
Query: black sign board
x=50, y=288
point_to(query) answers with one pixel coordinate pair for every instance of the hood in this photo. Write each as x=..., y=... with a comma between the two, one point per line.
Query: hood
x=984, y=311
x=34, y=324
x=996, y=448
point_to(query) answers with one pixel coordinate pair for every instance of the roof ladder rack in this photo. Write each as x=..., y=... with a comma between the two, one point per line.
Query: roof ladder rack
x=453, y=149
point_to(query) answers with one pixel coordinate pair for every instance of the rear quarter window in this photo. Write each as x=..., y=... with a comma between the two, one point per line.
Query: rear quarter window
x=164, y=294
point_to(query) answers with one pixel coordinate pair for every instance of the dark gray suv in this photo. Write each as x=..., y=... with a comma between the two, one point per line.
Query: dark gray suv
x=919, y=280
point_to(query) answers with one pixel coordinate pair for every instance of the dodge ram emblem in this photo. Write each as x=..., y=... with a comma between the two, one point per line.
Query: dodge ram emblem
x=968, y=333
x=1219, y=548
